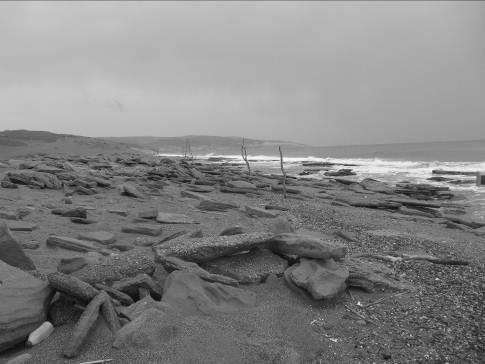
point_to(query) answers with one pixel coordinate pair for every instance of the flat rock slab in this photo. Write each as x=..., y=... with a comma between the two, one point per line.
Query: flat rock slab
x=169, y=218
x=322, y=279
x=191, y=295
x=252, y=267
x=241, y=184
x=210, y=205
x=209, y=248
x=23, y=305
x=80, y=212
x=117, y=267
x=71, y=244
x=308, y=246
x=373, y=276
x=11, y=251
x=35, y=179
x=9, y=215
x=21, y=226
x=194, y=195
x=102, y=237
x=128, y=189
x=142, y=229
x=259, y=212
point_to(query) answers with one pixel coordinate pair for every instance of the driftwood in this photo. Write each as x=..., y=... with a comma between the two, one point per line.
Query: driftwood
x=72, y=286
x=244, y=155
x=408, y=257
x=116, y=294
x=84, y=325
x=282, y=171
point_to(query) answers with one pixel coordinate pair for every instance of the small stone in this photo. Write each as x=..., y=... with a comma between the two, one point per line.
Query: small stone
x=78, y=220
x=144, y=241
x=121, y=247
x=259, y=212
x=148, y=214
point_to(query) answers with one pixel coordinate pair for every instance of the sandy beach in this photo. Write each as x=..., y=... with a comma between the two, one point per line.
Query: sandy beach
x=438, y=317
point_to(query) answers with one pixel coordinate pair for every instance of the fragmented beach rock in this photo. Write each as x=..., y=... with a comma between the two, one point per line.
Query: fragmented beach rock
x=209, y=248
x=259, y=212
x=143, y=229
x=308, y=246
x=35, y=179
x=130, y=285
x=103, y=237
x=71, y=244
x=11, y=252
x=209, y=205
x=251, y=267
x=189, y=294
x=173, y=263
x=322, y=279
x=117, y=267
x=23, y=304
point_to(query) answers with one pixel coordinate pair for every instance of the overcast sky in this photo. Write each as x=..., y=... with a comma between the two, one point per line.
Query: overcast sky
x=322, y=73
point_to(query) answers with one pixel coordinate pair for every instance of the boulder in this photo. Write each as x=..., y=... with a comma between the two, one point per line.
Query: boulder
x=35, y=179
x=169, y=218
x=308, y=246
x=252, y=267
x=190, y=295
x=11, y=252
x=210, y=205
x=209, y=248
x=23, y=305
x=143, y=229
x=102, y=237
x=322, y=279
x=259, y=212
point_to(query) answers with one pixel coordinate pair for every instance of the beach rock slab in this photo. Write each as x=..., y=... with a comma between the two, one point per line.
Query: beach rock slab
x=35, y=179
x=252, y=267
x=118, y=212
x=194, y=195
x=372, y=276
x=80, y=212
x=148, y=214
x=308, y=246
x=23, y=305
x=322, y=279
x=170, y=218
x=102, y=237
x=21, y=226
x=117, y=267
x=241, y=184
x=11, y=251
x=209, y=248
x=71, y=244
x=191, y=295
x=128, y=189
x=233, y=230
x=142, y=229
x=210, y=205
x=259, y=212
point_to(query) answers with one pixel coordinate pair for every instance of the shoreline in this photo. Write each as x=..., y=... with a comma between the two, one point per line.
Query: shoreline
x=438, y=320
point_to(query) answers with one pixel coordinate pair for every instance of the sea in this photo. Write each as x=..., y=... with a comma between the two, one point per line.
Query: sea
x=391, y=163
